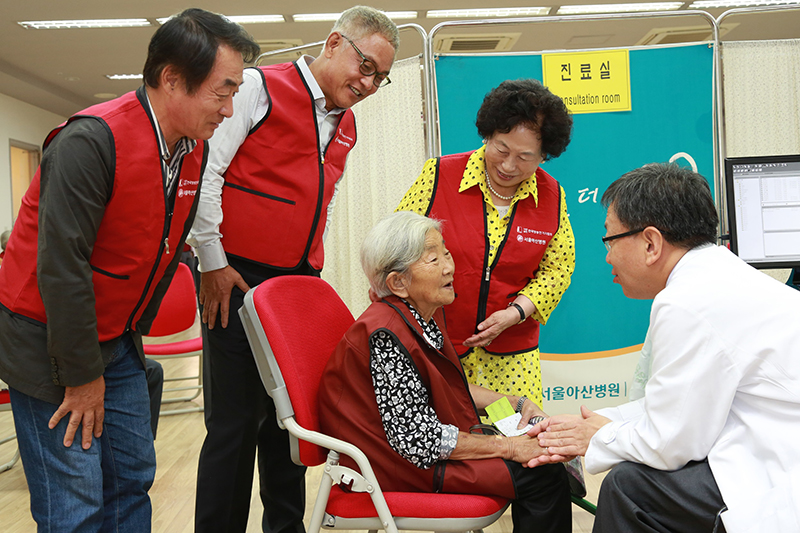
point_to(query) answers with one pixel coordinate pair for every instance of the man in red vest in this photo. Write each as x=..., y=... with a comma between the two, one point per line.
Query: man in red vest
x=90, y=257
x=272, y=173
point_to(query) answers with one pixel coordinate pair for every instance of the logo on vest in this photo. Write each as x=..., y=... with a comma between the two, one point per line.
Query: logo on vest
x=533, y=236
x=187, y=183
x=344, y=143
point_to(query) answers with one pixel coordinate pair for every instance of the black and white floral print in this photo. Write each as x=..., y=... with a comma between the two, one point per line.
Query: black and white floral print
x=411, y=425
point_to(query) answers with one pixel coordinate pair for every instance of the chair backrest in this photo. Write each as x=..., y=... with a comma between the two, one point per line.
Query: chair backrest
x=303, y=319
x=178, y=309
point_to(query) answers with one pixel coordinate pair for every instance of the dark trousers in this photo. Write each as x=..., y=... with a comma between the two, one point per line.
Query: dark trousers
x=542, y=504
x=637, y=498
x=241, y=423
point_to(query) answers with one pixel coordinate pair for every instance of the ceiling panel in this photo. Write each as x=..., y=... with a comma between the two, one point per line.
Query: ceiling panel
x=63, y=70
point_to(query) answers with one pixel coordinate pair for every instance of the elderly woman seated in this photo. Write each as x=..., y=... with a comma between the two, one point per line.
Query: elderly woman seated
x=395, y=388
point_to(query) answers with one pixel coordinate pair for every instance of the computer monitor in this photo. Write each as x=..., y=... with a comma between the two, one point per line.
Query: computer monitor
x=764, y=209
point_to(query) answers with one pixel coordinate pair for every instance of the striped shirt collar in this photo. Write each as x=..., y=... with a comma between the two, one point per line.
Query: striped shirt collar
x=184, y=146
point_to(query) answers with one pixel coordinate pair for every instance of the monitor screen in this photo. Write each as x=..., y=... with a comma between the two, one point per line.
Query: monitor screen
x=764, y=209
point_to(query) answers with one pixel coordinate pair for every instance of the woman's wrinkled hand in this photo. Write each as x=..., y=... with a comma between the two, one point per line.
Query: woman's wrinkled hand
x=529, y=411
x=523, y=449
x=494, y=325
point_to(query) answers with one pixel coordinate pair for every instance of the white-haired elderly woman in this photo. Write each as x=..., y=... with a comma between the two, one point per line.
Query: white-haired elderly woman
x=395, y=388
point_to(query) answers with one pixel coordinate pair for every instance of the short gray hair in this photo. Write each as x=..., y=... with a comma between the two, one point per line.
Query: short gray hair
x=362, y=21
x=393, y=245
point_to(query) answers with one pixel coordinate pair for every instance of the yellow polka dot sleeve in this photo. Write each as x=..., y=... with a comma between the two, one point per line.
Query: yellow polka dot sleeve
x=555, y=269
x=418, y=197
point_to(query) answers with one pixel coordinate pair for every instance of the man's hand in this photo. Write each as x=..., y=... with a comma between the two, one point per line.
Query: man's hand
x=85, y=405
x=494, y=325
x=215, y=294
x=566, y=436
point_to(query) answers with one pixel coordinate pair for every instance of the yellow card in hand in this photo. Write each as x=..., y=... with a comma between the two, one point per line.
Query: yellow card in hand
x=500, y=409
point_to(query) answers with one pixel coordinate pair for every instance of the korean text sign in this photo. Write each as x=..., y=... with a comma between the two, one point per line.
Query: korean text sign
x=590, y=82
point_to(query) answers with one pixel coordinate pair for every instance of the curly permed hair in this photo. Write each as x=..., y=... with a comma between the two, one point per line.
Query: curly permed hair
x=531, y=104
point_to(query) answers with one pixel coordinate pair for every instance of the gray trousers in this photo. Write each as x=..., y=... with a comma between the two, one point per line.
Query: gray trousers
x=637, y=498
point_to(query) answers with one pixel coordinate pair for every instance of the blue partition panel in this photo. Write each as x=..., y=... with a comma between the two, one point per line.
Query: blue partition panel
x=672, y=112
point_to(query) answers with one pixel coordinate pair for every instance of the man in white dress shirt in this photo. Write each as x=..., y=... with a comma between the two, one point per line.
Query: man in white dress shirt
x=267, y=194
x=716, y=432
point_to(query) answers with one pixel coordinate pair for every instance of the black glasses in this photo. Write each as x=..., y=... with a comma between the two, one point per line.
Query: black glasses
x=368, y=68
x=607, y=240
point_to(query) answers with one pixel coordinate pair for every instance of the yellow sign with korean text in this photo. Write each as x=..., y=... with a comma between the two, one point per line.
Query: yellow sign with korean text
x=590, y=82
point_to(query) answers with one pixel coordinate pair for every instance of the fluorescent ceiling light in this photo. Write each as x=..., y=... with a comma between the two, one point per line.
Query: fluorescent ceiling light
x=243, y=19
x=254, y=19
x=619, y=8
x=316, y=17
x=487, y=12
x=95, y=23
x=333, y=17
x=124, y=76
x=704, y=4
x=402, y=15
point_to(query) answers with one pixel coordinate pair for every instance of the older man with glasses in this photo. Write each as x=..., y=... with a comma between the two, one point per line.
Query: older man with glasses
x=278, y=162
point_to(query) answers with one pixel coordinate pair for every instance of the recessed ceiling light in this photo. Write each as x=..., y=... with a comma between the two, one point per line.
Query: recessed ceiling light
x=124, y=76
x=93, y=23
x=333, y=17
x=105, y=96
x=619, y=8
x=705, y=4
x=487, y=12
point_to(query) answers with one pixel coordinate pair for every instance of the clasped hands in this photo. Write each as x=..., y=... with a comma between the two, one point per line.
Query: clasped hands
x=564, y=437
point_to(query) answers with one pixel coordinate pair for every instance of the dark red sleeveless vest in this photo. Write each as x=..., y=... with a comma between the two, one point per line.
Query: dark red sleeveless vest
x=279, y=185
x=481, y=288
x=348, y=410
x=130, y=252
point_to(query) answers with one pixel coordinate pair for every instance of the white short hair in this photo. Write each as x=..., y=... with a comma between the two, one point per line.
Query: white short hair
x=393, y=245
x=362, y=21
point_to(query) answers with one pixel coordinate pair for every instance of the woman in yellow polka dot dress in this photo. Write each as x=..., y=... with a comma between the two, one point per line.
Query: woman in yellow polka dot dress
x=506, y=225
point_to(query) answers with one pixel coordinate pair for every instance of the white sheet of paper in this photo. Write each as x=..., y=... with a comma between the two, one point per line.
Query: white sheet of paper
x=508, y=426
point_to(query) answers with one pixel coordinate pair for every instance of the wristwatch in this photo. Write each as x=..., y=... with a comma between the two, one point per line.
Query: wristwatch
x=520, y=403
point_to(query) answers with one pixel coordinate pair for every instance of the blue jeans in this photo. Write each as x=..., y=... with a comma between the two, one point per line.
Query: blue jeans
x=105, y=487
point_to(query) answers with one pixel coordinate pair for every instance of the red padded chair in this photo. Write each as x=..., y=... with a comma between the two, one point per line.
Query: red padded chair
x=177, y=314
x=5, y=405
x=293, y=324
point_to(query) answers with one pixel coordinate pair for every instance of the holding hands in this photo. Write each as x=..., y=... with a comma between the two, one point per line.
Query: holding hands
x=564, y=437
x=524, y=450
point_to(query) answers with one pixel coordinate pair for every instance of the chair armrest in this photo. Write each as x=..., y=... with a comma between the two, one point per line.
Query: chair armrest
x=334, y=444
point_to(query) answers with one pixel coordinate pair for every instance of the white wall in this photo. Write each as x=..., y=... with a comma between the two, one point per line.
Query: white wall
x=23, y=123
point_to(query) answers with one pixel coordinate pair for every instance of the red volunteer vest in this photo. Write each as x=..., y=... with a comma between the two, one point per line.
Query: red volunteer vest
x=348, y=409
x=130, y=252
x=482, y=289
x=279, y=184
